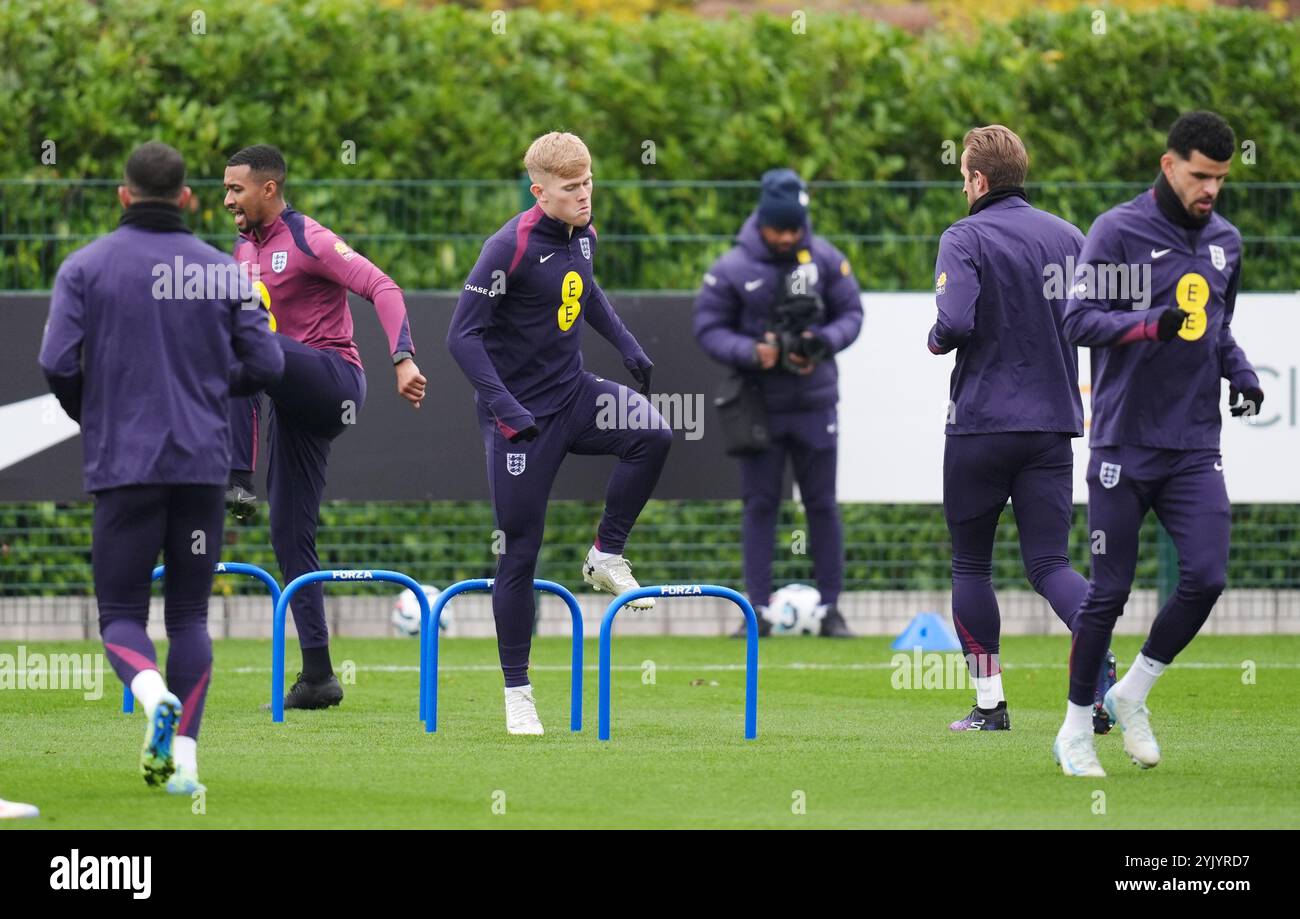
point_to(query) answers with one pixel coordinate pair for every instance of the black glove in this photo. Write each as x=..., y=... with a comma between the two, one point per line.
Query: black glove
x=1254, y=399
x=640, y=368
x=1170, y=321
x=528, y=433
x=814, y=347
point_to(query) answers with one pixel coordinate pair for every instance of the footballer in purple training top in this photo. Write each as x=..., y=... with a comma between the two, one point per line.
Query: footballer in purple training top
x=304, y=272
x=1159, y=351
x=1014, y=408
x=148, y=372
x=517, y=334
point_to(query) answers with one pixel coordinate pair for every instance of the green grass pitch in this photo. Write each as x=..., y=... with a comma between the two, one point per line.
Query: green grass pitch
x=838, y=745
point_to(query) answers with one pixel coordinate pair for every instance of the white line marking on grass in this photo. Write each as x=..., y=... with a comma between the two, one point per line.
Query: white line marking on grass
x=691, y=668
x=794, y=665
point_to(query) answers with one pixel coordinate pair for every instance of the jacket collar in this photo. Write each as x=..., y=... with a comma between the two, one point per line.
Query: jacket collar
x=1002, y=193
x=549, y=228
x=270, y=229
x=1167, y=203
x=750, y=238
x=156, y=216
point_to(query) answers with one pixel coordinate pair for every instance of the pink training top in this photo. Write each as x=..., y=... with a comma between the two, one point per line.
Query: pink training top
x=306, y=272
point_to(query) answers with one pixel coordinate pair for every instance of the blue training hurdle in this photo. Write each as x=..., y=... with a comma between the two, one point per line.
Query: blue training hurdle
x=273, y=586
x=683, y=590
x=311, y=577
x=429, y=650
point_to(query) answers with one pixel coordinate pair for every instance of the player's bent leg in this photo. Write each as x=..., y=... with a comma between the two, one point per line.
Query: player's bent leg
x=1041, y=499
x=245, y=422
x=320, y=390
x=1115, y=513
x=976, y=483
x=130, y=527
x=1116, y=507
x=1094, y=626
x=641, y=439
x=514, y=604
x=520, y=476
x=188, y=586
x=295, y=483
x=1041, y=496
x=1193, y=506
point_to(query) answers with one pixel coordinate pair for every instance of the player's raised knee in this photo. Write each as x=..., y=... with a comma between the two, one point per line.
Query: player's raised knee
x=1202, y=584
x=658, y=437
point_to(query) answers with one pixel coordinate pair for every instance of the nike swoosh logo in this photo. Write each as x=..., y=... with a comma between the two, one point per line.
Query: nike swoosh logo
x=1157, y=253
x=33, y=425
x=754, y=285
x=545, y=257
x=1218, y=467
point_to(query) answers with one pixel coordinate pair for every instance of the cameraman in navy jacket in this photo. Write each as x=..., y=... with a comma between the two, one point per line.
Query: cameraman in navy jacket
x=777, y=308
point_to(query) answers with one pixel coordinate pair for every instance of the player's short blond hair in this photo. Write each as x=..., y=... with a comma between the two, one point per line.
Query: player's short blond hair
x=559, y=154
x=997, y=152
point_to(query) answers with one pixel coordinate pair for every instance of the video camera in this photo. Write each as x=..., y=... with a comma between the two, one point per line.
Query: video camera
x=799, y=308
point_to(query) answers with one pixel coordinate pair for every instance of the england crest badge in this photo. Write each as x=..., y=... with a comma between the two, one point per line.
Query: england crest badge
x=585, y=245
x=279, y=260
x=515, y=463
x=1109, y=475
x=1217, y=258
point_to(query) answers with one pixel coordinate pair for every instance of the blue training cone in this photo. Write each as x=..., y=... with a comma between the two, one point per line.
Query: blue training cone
x=929, y=632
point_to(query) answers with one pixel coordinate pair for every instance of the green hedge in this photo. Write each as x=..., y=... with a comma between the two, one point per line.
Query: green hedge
x=45, y=548
x=435, y=93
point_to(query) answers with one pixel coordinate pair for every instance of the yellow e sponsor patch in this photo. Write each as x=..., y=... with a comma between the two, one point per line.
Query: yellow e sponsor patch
x=1193, y=295
x=941, y=283
x=266, y=302
x=570, y=297
x=344, y=250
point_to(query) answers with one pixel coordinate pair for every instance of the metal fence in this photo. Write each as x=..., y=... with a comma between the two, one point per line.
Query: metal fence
x=909, y=553
x=653, y=235
x=889, y=549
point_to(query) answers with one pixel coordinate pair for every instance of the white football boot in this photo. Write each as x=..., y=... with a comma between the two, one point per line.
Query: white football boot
x=1134, y=719
x=521, y=712
x=15, y=810
x=614, y=576
x=1077, y=755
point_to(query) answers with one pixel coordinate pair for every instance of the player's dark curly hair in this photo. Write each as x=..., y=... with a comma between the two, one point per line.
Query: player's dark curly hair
x=264, y=160
x=155, y=171
x=1204, y=131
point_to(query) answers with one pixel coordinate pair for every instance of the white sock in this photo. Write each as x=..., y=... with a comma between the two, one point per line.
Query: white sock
x=527, y=687
x=148, y=687
x=185, y=751
x=988, y=691
x=1140, y=678
x=1078, y=720
x=601, y=556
